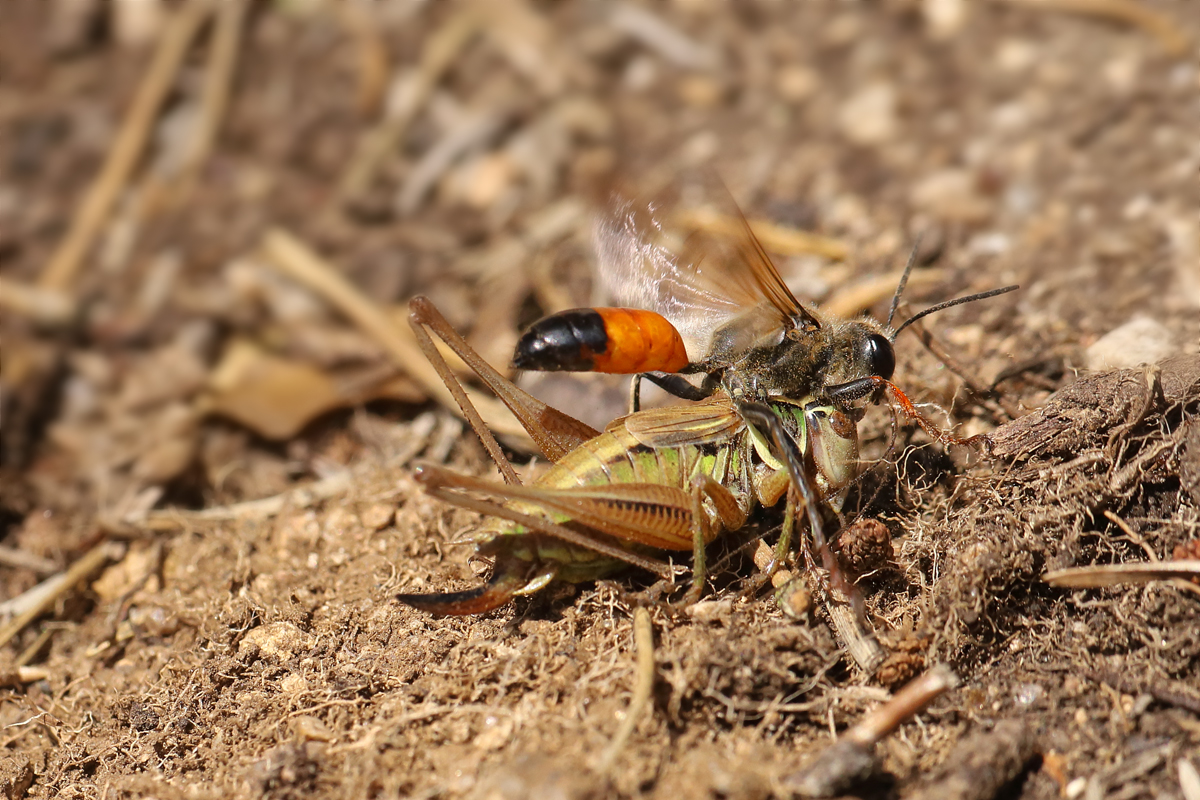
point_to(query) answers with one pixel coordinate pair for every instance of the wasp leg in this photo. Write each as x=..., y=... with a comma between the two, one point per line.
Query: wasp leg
x=554, y=432
x=509, y=577
x=899, y=399
x=798, y=466
x=671, y=383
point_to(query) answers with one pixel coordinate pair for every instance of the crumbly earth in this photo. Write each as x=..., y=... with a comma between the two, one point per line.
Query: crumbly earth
x=259, y=651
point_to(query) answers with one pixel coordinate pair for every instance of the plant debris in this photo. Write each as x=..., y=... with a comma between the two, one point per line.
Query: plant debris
x=214, y=212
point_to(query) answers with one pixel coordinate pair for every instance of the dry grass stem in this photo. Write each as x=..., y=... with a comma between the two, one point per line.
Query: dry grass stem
x=60, y=271
x=59, y=585
x=13, y=557
x=297, y=498
x=51, y=308
x=1129, y=12
x=218, y=78
x=643, y=641
x=378, y=144
x=372, y=63
x=778, y=239
x=23, y=675
x=1094, y=577
x=35, y=648
x=851, y=759
x=858, y=297
x=299, y=262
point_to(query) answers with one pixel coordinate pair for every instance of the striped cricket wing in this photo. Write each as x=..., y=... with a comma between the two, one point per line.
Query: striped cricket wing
x=707, y=422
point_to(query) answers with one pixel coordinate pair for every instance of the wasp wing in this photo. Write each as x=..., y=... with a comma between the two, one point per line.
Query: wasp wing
x=701, y=270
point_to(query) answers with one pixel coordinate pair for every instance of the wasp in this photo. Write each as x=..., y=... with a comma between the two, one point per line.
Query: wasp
x=777, y=391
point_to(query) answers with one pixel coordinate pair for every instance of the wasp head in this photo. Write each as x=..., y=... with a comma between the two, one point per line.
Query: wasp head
x=841, y=361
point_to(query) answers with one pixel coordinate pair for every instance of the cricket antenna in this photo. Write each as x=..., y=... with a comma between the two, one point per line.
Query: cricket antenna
x=958, y=302
x=912, y=259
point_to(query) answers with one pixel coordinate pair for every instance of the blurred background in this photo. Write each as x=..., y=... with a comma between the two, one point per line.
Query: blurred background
x=213, y=212
x=162, y=159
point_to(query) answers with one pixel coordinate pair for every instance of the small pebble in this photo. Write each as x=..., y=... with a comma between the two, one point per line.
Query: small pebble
x=1141, y=340
x=944, y=18
x=378, y=516
x=868, y=117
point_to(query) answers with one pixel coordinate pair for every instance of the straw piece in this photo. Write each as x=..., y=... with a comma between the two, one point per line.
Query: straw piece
x=441, y=50
x=1162, y=27
x=218, y=77
x=13, y=557
x=778, y=239
x=643, y=642
x=60, y=271
x=293, y=258
x=61, y=584
x=45, y=306
x=857, y=298
x=297, y=498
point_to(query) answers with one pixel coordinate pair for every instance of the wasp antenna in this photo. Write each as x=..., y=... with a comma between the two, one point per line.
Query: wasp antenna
x=912, y=259
x=957, y=302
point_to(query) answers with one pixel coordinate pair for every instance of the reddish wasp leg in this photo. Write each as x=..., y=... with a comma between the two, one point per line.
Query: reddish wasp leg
x=899, y=398
x=448, y=486
x=554, y=432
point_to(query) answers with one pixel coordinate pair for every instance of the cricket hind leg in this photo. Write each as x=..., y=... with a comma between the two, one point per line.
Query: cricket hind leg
x=451, y=487
x=510, y=577
x=554, y=432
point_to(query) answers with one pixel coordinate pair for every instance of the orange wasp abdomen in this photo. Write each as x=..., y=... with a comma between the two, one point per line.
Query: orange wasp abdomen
x=620, y=341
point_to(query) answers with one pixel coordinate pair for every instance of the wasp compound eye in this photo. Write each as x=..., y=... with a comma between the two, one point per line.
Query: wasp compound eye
x=879, y=356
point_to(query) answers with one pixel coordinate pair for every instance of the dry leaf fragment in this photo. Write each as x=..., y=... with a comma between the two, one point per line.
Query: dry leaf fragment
x=276, y=397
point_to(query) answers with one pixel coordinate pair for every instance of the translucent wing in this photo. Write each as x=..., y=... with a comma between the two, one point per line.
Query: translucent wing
x=702, y=269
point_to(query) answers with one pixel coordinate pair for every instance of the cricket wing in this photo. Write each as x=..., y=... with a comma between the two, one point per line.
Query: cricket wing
x=648, y=514
x=710, y=421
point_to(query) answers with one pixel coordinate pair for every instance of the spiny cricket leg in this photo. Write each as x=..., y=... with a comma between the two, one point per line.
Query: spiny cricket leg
x=844, y=603
x=509, y=576
x=785, y=539
x=554, y=432
x=732, y=518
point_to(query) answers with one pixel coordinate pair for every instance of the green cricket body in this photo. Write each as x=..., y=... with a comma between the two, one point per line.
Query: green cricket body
x=669, y=448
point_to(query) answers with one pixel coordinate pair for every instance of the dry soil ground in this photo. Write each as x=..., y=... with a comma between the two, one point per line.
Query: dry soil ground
x=172, y=352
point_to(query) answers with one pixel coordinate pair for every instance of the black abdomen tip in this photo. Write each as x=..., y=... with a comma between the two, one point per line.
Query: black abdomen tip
x=564, y=342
